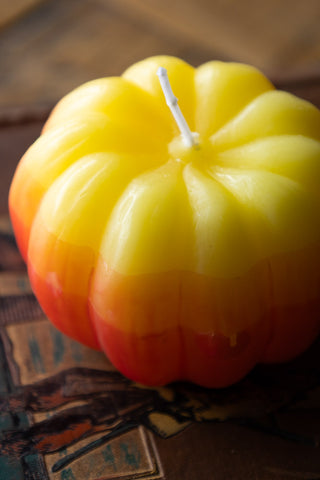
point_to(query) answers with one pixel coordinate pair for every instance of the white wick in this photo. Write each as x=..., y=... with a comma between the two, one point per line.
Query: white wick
x=189, y=138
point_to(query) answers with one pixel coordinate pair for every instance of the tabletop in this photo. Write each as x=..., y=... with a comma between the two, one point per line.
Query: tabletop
x=49, y=47
x=65, y=413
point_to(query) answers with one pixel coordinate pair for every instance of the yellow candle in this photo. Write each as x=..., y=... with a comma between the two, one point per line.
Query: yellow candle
x=184, y=243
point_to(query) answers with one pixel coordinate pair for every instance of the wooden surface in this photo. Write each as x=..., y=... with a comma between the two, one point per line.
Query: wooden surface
x=47, y=47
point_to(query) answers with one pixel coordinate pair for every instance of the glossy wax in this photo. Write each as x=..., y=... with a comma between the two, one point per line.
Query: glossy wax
x=179, y=262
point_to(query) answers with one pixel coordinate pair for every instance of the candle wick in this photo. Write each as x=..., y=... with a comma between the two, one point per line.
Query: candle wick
x=189, y=138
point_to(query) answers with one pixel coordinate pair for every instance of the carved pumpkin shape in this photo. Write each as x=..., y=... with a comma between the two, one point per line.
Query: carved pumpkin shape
x=179, y=262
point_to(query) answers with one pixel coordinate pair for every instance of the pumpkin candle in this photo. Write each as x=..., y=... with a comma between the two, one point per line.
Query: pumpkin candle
x=190, y=256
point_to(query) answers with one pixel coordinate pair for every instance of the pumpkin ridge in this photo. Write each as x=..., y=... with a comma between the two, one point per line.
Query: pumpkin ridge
x=304, y=119
x=215, y=79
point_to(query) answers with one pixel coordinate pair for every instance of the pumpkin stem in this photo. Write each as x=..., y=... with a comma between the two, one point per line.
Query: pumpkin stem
x=190, y=139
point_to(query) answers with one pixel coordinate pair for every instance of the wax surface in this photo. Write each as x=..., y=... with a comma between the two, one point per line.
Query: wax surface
x=179, y=262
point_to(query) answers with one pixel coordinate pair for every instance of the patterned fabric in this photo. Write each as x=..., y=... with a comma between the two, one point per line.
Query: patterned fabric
x=65, y=413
